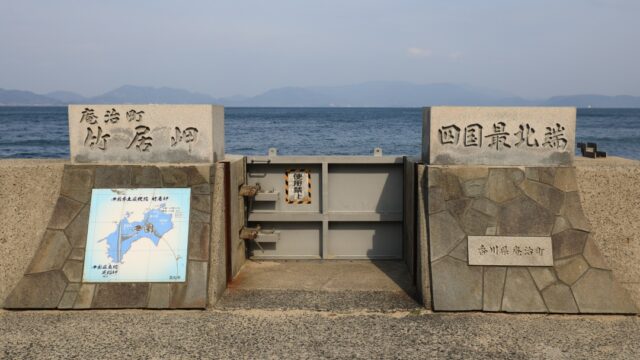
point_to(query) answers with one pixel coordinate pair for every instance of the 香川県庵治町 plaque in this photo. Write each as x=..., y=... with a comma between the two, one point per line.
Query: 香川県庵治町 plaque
x=510, y=250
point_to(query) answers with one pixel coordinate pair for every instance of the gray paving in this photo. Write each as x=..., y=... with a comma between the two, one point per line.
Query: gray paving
x=322, y=285
x=308, y=334
x=381, y=301
x=330, y=275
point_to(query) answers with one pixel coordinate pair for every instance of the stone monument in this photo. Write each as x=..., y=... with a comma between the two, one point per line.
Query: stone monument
x=132, y=225
x=143, y=134
x=506, y=230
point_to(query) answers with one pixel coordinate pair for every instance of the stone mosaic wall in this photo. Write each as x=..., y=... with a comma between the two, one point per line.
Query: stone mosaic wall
x=531, y=201
x=54, y=277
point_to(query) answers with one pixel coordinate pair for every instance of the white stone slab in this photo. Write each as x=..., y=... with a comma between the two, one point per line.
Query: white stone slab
x=510, y=251
x=532, y=136
x=143, y=134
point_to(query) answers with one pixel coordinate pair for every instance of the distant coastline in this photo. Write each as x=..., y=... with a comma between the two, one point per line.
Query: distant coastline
x=365, y=95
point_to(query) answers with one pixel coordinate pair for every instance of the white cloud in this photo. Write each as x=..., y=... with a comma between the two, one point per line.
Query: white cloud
x=419, y=52
x=456, y=56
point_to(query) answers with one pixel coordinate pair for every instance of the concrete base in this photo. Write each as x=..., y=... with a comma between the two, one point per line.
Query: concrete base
x=54, y=278
x=465, y=202
x=322, y=285
x=29, y=190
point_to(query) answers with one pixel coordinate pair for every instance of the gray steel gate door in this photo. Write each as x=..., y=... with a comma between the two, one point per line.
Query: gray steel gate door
x=327, y=207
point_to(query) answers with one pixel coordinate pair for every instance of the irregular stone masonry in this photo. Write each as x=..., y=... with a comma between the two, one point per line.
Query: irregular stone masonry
x=516, y=201
x=54, y=277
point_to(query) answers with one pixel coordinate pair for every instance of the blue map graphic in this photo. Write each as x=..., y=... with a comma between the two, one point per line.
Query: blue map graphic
x=155, y=224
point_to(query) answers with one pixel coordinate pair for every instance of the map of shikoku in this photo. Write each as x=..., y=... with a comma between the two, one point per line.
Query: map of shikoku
x=137, y=235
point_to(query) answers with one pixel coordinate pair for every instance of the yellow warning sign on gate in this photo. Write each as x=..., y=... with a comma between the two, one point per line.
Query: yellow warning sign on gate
x=297, y=186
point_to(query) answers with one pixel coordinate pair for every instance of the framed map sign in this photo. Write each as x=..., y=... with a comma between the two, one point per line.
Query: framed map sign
x=137, y=235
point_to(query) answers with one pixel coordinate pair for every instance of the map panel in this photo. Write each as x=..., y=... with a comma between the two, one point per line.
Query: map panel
x=137, y=235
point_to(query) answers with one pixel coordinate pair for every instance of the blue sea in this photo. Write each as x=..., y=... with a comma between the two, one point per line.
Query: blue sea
x=41, y=132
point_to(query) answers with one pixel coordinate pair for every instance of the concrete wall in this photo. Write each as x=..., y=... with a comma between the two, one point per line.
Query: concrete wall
x=29, y=188
x=610, y=191
x=238, y=246
x=217, y=266
x=423, y=277
x=28, y=193
x=610, y=197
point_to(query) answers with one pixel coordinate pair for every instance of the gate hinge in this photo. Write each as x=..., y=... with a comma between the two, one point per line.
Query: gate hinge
x=249, y=190
x=247, y=233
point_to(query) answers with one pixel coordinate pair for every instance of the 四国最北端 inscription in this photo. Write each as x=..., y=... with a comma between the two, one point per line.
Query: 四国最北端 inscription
x=498, y=136
x=499, y=139
x=146, y=133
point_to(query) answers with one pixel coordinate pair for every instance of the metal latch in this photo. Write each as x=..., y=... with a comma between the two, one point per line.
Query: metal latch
x=249, y=190
x=268, y=236
x=247, y=233
x=267, y=196
x=259, y=235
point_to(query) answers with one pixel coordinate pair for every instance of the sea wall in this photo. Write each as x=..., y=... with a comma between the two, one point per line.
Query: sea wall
x=28, y=193
x=609, y=190
x=29, y=189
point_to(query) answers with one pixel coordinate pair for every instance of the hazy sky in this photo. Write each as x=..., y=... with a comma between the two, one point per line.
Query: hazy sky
x=531, y=48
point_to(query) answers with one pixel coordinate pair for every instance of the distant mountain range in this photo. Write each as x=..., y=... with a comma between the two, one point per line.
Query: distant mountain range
x=370, y=94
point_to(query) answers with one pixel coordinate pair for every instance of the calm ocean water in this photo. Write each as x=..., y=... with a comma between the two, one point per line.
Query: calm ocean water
x=41, y=132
